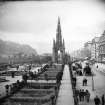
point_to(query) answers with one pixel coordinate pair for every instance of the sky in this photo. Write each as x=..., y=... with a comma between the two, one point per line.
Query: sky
x=35, y=22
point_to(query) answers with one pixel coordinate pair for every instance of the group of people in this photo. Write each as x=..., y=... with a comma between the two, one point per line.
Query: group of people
x=79, y=72
x=97, y=100
x=87, y=70
x=82, y=95
x=10, y=89
x=77, y=69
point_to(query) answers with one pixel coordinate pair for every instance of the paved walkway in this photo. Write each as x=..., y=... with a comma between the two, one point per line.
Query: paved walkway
x=65, y=96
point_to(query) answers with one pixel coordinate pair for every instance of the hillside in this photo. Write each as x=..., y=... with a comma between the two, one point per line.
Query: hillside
x=10, y=48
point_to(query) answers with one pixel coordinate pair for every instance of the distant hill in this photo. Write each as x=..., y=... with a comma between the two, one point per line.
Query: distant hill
x=11, y=48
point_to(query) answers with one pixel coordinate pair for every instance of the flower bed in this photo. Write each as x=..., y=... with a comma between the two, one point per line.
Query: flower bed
x=41, y=85
x=27, y=103
x=19, y=98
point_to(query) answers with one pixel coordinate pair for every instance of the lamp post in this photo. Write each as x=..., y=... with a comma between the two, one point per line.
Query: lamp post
x=9, y=60
x=92, y=83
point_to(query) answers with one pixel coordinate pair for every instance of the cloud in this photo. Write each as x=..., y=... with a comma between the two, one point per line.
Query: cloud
x=35, y=23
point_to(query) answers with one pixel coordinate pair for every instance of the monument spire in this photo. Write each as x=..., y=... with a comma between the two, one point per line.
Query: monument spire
x=58, y=46
x=53, y=43
x=63, y=43
x=58, y=33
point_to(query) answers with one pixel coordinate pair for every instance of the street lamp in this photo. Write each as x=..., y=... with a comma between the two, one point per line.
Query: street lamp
x=9, y=60
x=92, y=82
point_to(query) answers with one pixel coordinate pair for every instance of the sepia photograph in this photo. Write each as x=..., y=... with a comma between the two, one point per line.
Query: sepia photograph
x=52, y=52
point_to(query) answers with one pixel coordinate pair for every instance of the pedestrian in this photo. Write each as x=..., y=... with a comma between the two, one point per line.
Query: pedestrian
x=76, y=100
x=87, y=95
x=97, y=66
x=84, y=83
x=97, y=100
x=53, y=100
x=74, y=81
x=74, y=84
x=12, y=74
x=80, y=73
x=25, y=77
x=103, y=100
x=11, y=89
x=7, y=89
x=76, y=92
x=82, y=95
x=17, y=67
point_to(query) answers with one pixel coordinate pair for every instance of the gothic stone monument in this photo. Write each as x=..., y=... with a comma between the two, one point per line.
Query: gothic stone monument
x=58, y=46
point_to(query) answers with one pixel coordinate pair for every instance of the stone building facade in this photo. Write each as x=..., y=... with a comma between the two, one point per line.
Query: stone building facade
x=95, y=48
x=88, y=45
x=102, y=48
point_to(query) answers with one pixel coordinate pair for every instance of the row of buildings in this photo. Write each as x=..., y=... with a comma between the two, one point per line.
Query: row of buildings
x=94, y=49
x=97, y=48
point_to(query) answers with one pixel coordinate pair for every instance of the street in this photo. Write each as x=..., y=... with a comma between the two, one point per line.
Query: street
x=11, y=80
x=98, y=83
